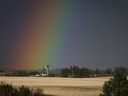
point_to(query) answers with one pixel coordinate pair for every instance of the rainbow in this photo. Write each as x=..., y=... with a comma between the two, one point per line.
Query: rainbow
x=45, y=33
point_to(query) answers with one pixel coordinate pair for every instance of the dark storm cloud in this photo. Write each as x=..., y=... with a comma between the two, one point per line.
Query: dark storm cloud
x=100, y=29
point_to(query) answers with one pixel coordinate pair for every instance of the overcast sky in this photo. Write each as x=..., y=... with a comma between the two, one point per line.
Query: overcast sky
x=98, y=33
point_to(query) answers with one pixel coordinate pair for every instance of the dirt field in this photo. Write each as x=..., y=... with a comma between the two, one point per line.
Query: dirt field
x=61, y=86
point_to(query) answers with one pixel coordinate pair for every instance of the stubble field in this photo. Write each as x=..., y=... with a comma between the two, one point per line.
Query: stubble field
x=61, y=86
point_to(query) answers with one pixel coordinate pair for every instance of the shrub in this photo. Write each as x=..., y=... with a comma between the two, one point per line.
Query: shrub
x=24, y=91
x=118, y=86
x=6, y=89
x=9, y=90
x=37, y=92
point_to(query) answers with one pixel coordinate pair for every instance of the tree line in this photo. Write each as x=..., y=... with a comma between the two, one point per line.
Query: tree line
x=72, y=71
x=77, y=72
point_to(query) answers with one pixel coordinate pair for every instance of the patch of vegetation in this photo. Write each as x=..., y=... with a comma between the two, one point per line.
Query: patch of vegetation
x=9, y=90
x=75, y=71
x=118, y=86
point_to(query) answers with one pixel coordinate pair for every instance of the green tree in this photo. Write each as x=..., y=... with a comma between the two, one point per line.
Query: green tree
x=108, y=71
x=75, y=71
x=117, y=86
x=84, y=72
x=65, y=72
x=121, y=70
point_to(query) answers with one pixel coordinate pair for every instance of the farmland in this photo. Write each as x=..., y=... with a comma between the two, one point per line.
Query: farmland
x=61, y=86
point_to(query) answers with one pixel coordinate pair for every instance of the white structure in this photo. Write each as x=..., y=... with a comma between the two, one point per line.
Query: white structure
x=45, y=71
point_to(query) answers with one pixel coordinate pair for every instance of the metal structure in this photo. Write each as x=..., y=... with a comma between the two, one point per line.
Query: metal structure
x=45, y=70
